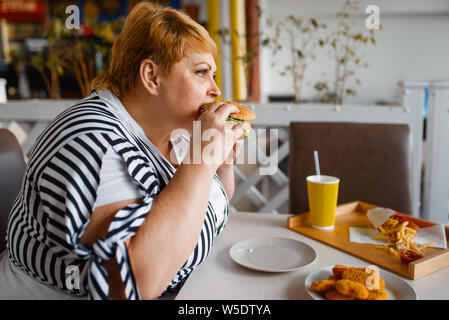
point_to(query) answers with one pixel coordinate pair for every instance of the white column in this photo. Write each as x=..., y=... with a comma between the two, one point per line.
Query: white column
x=226, y=91
x=436, y=172
x=413, y=98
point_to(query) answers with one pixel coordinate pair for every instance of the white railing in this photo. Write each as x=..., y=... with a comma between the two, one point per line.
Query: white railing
x=28, y=118
x=279, y=115
x=269, y=193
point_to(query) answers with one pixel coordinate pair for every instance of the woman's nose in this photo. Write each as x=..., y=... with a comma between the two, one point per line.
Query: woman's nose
x=214, y=91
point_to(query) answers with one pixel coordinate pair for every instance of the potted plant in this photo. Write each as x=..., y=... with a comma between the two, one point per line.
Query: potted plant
x=300, y=38
x=67, y=52
x=344, y=43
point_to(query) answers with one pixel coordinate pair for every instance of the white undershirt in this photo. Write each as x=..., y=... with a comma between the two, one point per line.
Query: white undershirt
x=115, y=182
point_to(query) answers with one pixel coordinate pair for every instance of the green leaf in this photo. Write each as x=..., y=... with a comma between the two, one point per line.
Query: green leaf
x=296, y=21
x=314, y=23
x=373, y=40
x=320, y=86
x=234, y=119
x=351, y=92
x=325, y=99
x=299, y=53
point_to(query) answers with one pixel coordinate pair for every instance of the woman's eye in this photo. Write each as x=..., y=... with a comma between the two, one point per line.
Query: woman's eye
x=202, y=72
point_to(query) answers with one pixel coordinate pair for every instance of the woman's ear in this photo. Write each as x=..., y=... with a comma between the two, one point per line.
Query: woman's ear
x=149, y=76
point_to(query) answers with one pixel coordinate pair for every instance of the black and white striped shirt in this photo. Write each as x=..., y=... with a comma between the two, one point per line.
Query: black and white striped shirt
x=59, y=192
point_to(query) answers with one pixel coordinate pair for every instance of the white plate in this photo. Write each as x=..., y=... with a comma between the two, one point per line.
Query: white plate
x=397, y=288
x=272, y=254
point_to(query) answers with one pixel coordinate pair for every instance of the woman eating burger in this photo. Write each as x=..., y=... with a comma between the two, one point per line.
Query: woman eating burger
x=106, y=211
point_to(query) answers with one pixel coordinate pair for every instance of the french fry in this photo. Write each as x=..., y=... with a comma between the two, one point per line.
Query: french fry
x=403, y=226
x=412, y=231
x=399, y=235
x=428, y=244
x=393, y=251
x=415, y=248
x=391, y=231
x=382, y=238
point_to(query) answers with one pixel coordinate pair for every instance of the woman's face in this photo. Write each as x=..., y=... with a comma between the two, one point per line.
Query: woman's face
x=190, y=85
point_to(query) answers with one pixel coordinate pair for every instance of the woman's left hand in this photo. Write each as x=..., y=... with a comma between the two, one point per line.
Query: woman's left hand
x=226, y=171
x=235, y=152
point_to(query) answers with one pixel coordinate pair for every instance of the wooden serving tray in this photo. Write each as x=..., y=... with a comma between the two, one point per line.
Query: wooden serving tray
x=353, y=214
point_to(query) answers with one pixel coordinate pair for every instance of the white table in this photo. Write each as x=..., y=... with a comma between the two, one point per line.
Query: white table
x=220, y=278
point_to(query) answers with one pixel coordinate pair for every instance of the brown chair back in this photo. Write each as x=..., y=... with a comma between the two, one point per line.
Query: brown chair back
x=12, y=167
x=373, y=162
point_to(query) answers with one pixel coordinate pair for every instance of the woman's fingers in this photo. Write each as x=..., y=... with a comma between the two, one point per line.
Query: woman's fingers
x=218, y=136
x=212, y=107
x=225, y=109
x=237, y=128
x=218, y=112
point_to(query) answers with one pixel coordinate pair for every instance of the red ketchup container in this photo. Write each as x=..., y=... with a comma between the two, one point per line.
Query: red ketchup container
x=408, y=256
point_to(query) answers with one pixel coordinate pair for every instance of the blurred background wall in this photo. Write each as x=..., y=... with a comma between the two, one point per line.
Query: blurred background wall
x=412, y=46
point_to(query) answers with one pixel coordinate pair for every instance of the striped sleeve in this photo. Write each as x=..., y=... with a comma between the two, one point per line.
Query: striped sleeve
x=68, y=186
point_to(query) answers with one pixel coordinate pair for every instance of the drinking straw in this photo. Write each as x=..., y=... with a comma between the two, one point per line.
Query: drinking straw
x=317, y=163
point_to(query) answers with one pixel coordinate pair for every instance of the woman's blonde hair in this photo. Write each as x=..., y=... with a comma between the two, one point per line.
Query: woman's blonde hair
x=162, y=34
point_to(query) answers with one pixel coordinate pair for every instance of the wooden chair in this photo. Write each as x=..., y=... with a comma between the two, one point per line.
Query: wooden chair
x=373, y=162
x=12, y=167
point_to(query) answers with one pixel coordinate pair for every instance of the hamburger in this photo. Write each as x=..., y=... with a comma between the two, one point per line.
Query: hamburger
x=244, y=116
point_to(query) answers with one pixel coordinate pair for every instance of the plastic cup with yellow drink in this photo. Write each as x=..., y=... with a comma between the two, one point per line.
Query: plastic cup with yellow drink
x=323, y=195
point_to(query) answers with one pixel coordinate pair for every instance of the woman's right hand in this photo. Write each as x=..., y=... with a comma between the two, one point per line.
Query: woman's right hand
x=215, y=141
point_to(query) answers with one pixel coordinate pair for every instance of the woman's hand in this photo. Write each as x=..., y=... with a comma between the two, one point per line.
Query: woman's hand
x=170, y=232
x=226, y=170
x=235, y=152
x=218, y=140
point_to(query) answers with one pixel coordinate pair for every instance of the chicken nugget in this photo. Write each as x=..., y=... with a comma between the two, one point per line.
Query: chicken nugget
x=338, y=269
x=352, y=289
x=378, y=295
x=321, y=286
x=356, y=274
x=335, y=295
x=333, y=277
x=364, y=276
x=381, y=283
